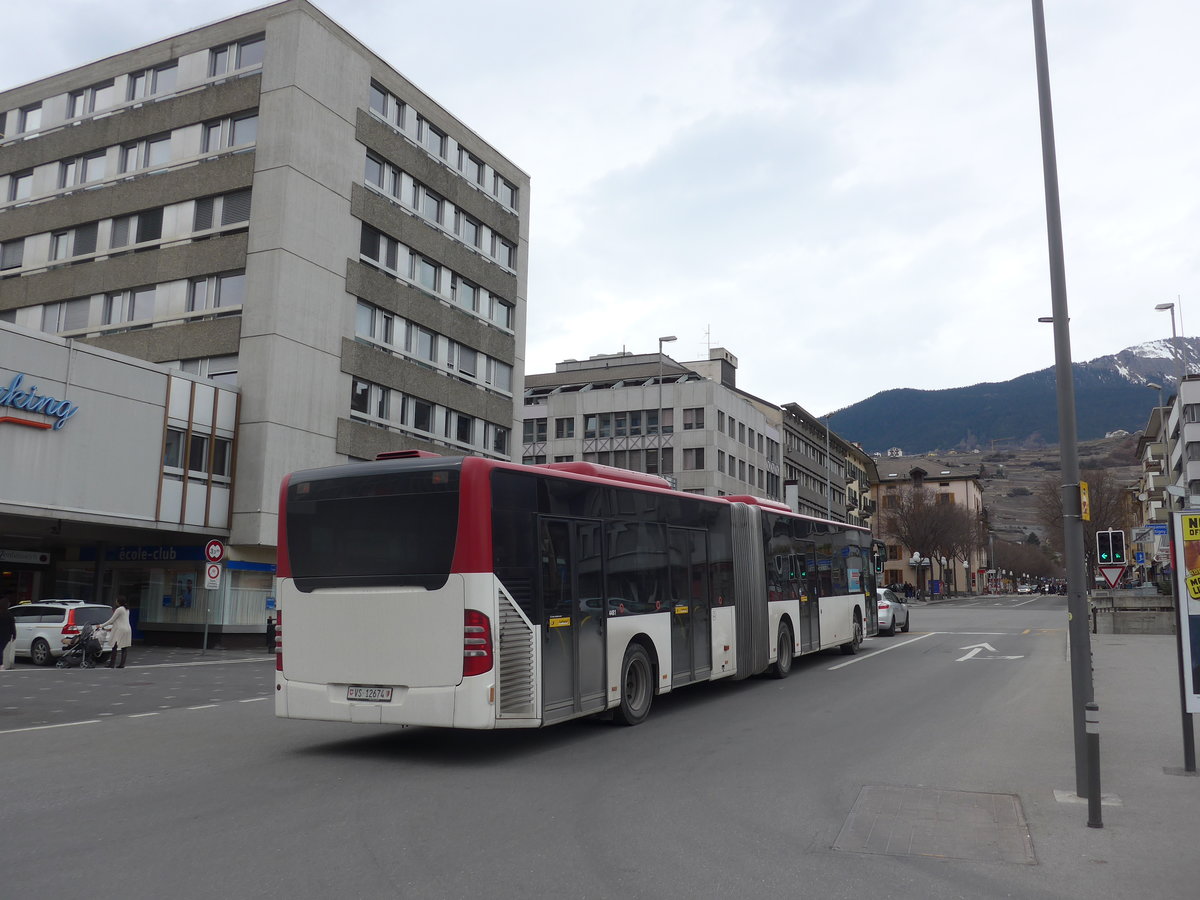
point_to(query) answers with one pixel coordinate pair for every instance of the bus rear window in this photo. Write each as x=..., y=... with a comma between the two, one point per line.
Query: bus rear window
x=374, y=529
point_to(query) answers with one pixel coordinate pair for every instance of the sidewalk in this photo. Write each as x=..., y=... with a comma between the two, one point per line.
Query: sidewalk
x=157, y=655
x=1151, y=811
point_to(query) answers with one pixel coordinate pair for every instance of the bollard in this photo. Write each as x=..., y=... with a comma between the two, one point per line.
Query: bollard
x=1092, y=722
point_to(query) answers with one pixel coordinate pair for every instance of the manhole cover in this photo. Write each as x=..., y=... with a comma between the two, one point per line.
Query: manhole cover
x=907, y=821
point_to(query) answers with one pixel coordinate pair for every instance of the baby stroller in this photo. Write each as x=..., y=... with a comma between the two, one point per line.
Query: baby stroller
x=82, y=650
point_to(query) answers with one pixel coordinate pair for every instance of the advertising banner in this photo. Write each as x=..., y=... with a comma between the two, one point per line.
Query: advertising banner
x=1187, y=582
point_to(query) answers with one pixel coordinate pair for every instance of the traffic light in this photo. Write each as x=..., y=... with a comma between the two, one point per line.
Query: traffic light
x=878, y=563
x=1118, y=547
x=1104, y=547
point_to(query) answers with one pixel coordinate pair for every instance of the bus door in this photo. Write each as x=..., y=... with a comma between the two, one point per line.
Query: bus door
x=691, y=644
x=810, y=603
x=573, y=614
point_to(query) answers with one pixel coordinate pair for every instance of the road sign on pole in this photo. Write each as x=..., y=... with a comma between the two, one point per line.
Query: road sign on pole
x=1112, y=574
x=214, y=551
x=212, y=576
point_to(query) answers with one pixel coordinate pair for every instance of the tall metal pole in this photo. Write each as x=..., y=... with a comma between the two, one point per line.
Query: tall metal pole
x=828, y=474
x=662, y=340
x=1175, y=346
x=1077, y=601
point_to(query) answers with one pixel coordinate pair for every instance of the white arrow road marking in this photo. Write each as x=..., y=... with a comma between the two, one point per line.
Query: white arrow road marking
x=976, y=649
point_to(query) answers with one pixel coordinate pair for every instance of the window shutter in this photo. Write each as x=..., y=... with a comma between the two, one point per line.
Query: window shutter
x=236, y=208
x=85, y=238
x=120, y=232
x=204, y=213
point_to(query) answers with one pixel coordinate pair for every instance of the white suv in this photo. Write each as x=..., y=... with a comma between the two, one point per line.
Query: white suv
x=42, y=627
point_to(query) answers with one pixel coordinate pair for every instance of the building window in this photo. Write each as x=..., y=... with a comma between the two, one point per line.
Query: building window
x=217, y=291
x=20, y=185
x=467, y=229
x=30, y=118
x=425, y=273
x=388, y=107
x=135, y=305
x=465, y=294
x=150, y=82
x=431, y=138
x=89, y=100
x=66, y=315
x=431, y=206
x=534, y=431
x=374, y=171
x=693, y=458
x=564, y=428
x=82, y=170
x=504, y=252
x=234, y=57
x=693, y=419
x=235, y=131
x=12, y=254
x=506, y=192
x=60, y=245
x=470, y=166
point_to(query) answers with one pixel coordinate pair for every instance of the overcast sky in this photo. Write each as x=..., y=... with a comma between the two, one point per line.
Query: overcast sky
x=845, y=194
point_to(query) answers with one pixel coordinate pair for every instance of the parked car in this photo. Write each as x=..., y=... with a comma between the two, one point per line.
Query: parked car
x=42, y=627
x=1024, y=589
x=893, y=611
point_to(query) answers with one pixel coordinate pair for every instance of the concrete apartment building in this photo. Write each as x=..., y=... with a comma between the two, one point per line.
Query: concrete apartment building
x=714, y=439
x=265, y=204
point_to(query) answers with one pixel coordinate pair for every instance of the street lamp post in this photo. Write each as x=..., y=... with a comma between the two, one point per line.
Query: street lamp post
x=919, y=562
x=1174, y=341
x=661, y=341
x=1087, y=774
x=828, y=473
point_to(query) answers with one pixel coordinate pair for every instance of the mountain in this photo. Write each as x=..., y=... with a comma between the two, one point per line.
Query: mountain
x=1110, y=394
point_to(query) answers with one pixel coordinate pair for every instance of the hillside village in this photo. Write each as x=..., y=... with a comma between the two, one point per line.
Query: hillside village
x=1010, y=479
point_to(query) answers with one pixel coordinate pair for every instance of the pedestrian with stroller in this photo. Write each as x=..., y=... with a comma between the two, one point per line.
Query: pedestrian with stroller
x=8, y=634
x=118, y=624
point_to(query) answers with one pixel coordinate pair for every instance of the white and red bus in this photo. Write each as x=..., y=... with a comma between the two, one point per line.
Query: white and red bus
x=468, y=593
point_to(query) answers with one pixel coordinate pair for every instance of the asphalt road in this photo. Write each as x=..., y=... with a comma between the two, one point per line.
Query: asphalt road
x=178, y=781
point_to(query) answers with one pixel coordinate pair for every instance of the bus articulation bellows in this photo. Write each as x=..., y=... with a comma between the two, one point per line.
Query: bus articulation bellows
x=463, y=592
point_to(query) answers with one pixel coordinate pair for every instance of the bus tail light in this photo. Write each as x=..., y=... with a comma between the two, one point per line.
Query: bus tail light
x=278, y=641
x=477, y=643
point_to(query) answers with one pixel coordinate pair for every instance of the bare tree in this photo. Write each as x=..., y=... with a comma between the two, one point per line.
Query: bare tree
x=933, y=529
x=1110, y=502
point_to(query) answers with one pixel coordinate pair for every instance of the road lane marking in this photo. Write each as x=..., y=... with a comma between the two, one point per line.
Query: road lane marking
x=141, y=715
x=254, y=699
x=976, y=649
x=206, y=706
x=44, y=727
x=850, y=662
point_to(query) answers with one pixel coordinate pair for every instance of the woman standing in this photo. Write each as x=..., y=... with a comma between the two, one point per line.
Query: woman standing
x=118, y=623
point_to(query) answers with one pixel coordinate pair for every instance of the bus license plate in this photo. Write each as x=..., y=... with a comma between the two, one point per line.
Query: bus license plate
x=378, y=694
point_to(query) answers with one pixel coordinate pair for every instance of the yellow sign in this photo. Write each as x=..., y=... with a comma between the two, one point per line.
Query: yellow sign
x=1191, y=528
x=1085, y=503
x=560, y=621
x=681, y=610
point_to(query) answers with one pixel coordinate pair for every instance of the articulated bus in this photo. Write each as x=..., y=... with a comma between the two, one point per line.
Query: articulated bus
x=469, y=593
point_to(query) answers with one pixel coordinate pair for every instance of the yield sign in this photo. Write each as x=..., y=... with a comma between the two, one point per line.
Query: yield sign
x=1112, y=574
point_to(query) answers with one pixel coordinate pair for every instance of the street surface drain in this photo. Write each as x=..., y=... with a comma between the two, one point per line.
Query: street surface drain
x=907, y=821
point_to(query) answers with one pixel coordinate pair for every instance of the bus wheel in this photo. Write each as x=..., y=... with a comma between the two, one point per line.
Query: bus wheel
x=637, y=687
x=783, y=655
x=851, y=647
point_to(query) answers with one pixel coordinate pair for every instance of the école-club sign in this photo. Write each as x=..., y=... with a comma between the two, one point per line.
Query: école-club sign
x=17, y=396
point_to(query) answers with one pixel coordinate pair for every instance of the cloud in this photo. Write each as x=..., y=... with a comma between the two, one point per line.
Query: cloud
x=848, y=196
